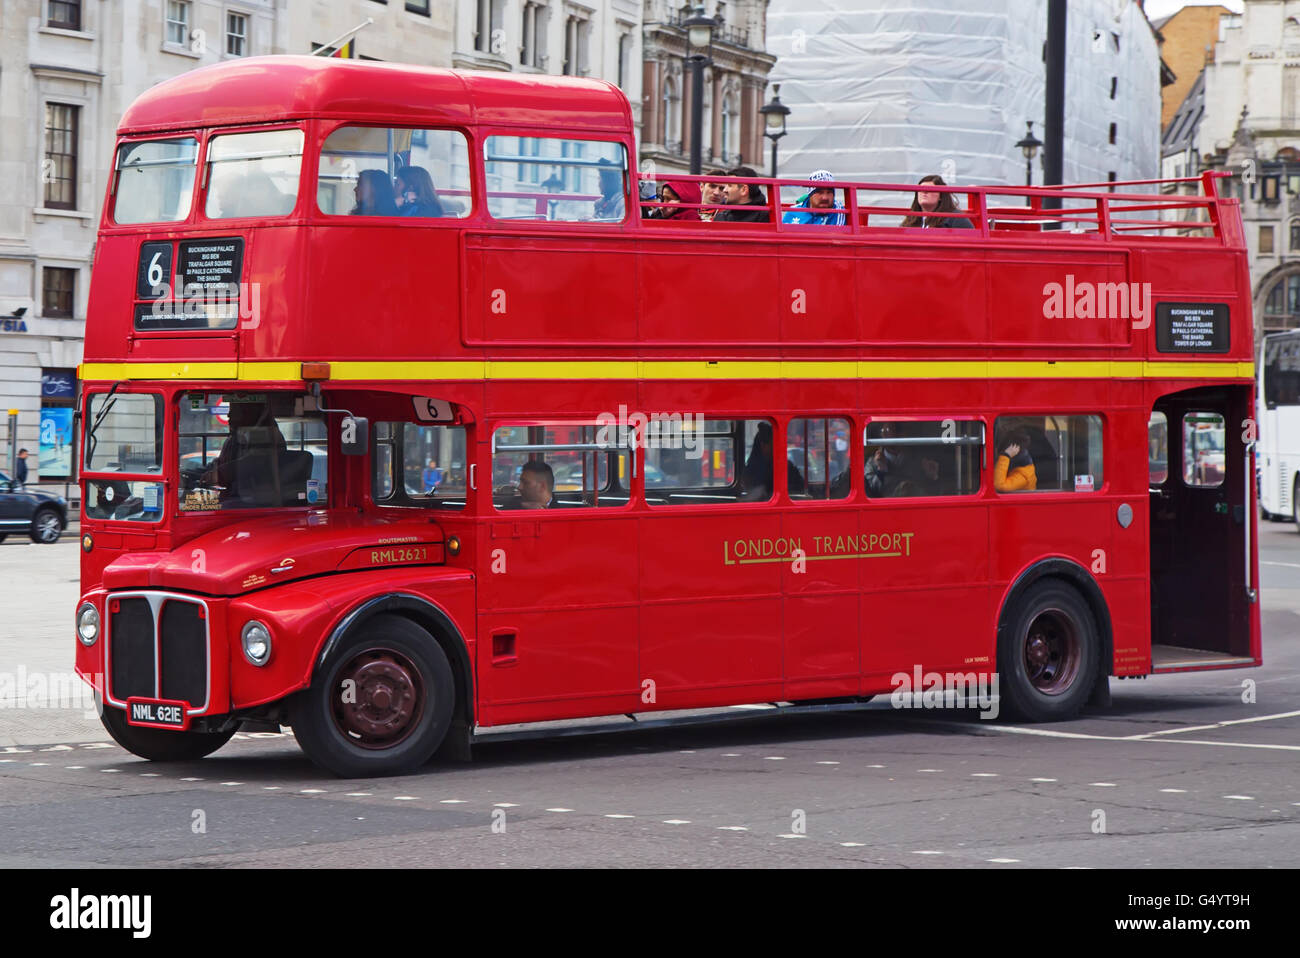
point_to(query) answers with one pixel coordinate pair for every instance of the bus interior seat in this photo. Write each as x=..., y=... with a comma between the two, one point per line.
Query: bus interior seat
x=295, y=470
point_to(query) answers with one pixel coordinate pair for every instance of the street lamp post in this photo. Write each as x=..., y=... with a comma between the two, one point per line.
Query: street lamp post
x=699, y=45
x=774, y=114
x=1029, y=146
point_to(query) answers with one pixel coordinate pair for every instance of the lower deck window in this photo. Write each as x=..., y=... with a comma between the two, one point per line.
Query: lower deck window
x=558, y=466
x=908, y=458
x=710, y=461
x=1047, y=453
x=419, y=466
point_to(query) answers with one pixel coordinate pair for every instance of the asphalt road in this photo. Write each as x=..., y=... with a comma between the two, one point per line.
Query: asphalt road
x=1179, y=772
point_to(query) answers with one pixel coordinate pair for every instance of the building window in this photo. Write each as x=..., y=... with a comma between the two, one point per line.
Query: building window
x=1295, y=236
x=1265, y=240
x=1114, y=38
x=1114, y=86
x=1114, y=128
x=672, y=115
x=178, y=22
x=1112, y=178
x=487, y=23
x=624, y=57
x=576, y=32
x=418, y=6
x=236, y=34
x=65, y=14
x=532, y=53
x=58, y=289
x=1270, y=188
x=60, y=167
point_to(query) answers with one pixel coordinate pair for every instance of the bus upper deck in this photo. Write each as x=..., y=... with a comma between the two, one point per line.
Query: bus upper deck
x=257, y=227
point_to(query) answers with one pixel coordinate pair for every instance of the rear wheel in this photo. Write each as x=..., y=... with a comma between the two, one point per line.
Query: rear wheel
x=160, y=745
x=47, y=526
x=1049, y=653
x=382, y=703
x=2, y=536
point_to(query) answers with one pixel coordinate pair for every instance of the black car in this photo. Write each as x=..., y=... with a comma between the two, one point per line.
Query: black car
x=39, y=514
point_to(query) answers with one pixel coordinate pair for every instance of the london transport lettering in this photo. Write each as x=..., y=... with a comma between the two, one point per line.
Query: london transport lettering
x=873, y=545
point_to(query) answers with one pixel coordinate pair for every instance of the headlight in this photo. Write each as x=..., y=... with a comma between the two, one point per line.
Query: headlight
x=256, y=639
x=88, y=624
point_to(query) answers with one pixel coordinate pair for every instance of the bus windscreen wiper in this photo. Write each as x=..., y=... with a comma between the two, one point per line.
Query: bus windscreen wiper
x=109, y=401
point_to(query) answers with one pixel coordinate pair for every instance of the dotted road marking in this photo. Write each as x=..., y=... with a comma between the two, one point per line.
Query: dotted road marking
x=1002, y=861
x=559, y=809
x=676, y=821
x=1244, y=798
x=1103, y=784
x=927, y=852
x=620, y=816
x=1174, y=791
x=983, y=774
x=359, y=794
x=1042, y=779
x=791, y=835
x=406, y=798
x=311, y=791
x=503, y=804
x=732, y=828
x=232, y=783
x=451, y=801
x=828, y=763
x=852, y=844
x=774, y=758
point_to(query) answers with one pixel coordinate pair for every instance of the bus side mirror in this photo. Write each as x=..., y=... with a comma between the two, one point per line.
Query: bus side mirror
x=354, y=436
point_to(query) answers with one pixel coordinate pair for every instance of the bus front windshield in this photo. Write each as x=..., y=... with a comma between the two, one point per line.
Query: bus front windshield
x=251, y=450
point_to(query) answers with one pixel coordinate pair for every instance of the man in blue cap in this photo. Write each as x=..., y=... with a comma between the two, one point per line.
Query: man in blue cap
x=818, y=207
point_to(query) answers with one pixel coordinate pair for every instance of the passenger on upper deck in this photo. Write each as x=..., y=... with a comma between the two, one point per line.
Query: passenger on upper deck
x=679, y=191
x=713, y=193
x=415, y=193
x=740, y=195
x=610, y=205
x=374, y=195
x=817, y=207
x=932, y=201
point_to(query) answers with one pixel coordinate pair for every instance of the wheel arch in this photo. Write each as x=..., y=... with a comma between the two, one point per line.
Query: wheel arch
x=430, y=618
x=1072, y=573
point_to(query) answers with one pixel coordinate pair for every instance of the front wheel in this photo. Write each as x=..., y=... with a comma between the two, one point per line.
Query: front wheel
x=47, y=526
x=382, y=703
x=1049, y=653
x=160, y=745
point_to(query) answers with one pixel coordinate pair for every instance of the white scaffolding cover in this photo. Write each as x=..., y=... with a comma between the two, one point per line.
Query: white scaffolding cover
x=894, y=90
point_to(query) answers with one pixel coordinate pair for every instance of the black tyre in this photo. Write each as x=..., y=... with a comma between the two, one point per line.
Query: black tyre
x=47, y=526
x=1295, y=506
x=2, y=536
x=160, y=745
x=381, y=704
x=1049, y=653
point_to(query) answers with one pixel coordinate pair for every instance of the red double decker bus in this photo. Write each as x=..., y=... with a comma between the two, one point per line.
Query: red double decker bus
x=402, y=421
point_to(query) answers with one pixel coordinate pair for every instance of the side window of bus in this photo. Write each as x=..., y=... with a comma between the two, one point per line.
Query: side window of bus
x=382, y=171
x=1049, y=453
x=1203, y=449
x=419, y=466
x=700, y=461
x=914, y=458
x=558, y=466
x=1157, y=449
x=818, y=451
x=552, y=179
x=1281, y=370
x=253, y=174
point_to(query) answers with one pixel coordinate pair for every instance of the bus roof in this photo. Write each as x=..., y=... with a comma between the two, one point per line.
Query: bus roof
x=271, y=89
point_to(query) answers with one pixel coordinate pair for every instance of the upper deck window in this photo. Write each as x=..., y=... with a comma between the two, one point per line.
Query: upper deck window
x=253, y=174
x=155, y=180
x=547, y=178
x=377, y=171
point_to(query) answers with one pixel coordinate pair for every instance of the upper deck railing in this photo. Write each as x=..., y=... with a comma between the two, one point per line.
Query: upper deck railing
x=1074, y=210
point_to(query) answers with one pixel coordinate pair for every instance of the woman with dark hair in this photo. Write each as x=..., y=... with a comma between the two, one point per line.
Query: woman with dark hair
x=415, y=193
x=374, y=193
x=1014, y=469
x=933, y=201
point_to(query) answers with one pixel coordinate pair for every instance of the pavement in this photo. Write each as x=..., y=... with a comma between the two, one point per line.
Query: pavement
x=1181, y=771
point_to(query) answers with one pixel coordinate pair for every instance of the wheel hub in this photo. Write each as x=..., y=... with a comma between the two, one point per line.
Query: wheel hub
x=379, y=698
x=1052, y=652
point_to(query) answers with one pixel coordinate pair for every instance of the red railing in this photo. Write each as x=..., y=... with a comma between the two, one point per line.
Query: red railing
x=1072, y=210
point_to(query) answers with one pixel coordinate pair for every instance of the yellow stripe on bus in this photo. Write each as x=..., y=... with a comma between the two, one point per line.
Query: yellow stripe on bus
x=625, y=370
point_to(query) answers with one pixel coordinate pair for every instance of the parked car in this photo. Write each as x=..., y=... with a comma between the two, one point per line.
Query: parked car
x=23, y=509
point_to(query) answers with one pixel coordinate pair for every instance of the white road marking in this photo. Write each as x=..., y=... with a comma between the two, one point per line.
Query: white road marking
x=559, y=809
x=502, y=804
x=731, y=755
x=232, y=783
x=1243, y=798
x=38, y=764
x=1289, y=565
x=1103, y=784
x=926, y=852
x=1223, y=724
x=852, y=844
x=359, y=794
x=983, y=774
x=676, y=821
x=1047, y=733
x=1042, y=779
x=451, y=801
x=110, y=770
x=1003, y=861
x=191, y=779
x=732, y=828
x=620, y=816
x=270, y=788
x=929, y=770
x=828, y=763
x=791, y=835
x=150, y=775
x=311, y=791
x=875, y=766
x=406, y=798
x=74, y=766
x=774, y=758
x=1175, y=791
x=758, y=705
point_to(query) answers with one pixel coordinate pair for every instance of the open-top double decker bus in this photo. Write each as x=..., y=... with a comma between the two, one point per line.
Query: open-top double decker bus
x=355, y=457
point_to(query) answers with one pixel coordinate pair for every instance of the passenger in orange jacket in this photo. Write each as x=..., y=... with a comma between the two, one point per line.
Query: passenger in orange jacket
x=1015, y=457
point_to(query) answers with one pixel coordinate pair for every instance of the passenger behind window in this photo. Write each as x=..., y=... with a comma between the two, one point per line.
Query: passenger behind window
x=932, y=201
x=713, y=194
x=679, y=191
x=739, y=196
x=245, y=458
x=898, y=471
x=415, y=193
x=817, y=207
x=432, y=477
x=536, y=486
x=610, y=205
x=1015, y=457
x=756, y=479
x=374, y=195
